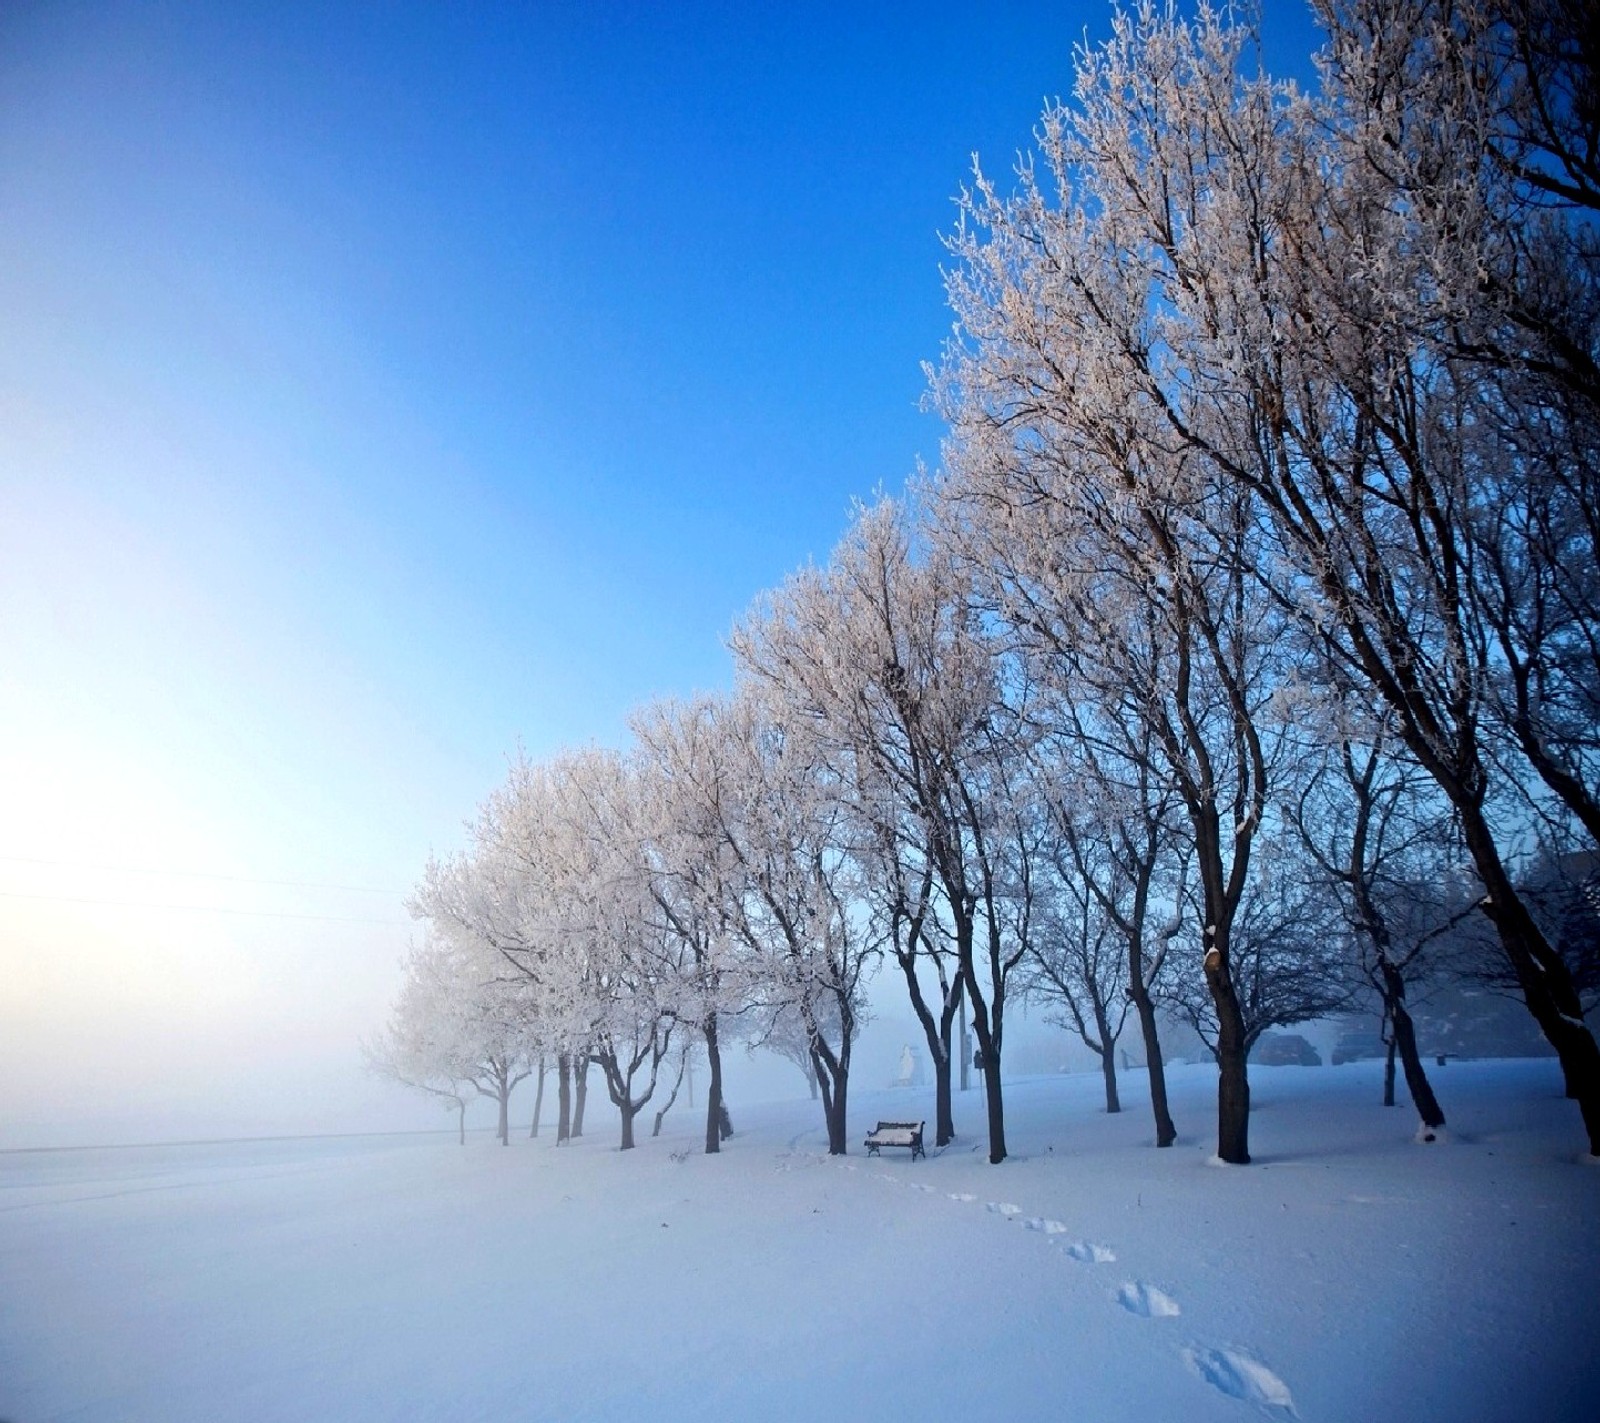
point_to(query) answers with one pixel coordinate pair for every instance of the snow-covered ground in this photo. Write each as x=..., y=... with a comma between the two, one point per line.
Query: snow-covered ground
x=1349, y=1274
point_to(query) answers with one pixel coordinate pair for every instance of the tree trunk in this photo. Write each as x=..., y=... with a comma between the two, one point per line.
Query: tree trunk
x=714, y=1091
x=837, y=1145
x=1388, y=1071
x=835, y=1086
x=1166, y=1132
x=993, y=1097
x=937, y=1033
x=1108, y=1067
x=1108, y=1059
x=627, y=1109
x=943, y=1109
x=1233, y=1082
x=1546, y=982
x=461, y=1123
x=538, y=1100
x=580, y=1073
x=661, y=1116
x=1403, y=1038
x=564, y=1098
x=504, y=1129
x=995, y=1103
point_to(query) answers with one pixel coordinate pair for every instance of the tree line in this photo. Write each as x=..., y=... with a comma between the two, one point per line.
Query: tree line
x=1242, y=649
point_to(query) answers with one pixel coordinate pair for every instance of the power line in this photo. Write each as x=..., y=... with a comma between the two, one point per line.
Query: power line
x=202, y=909
x=195, y=874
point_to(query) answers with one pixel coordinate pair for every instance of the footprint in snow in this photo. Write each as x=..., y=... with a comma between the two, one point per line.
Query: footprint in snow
x=1048, y=1227
x=962, y=1196
x=918, y=1186
x=1238, y=1375
x=1004, y=1208
x=1091, y=1254
x=1147, y=1301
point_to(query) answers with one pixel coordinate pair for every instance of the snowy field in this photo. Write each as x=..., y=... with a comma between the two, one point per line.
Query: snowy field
x=1349, y=1274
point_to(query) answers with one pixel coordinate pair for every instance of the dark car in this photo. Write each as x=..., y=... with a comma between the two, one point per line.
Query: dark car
x=1285, y=1050
x=1358, y=1045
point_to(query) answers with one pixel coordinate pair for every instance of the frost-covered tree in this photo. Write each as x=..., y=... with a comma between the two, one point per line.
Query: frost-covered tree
x=1381, y=837
x=1290, y=950
x=792, y=895
x=1119, y=861
x=459, y=1026
x=555, y=885
x=910, y=700
x=1349, y=324
x=691, y=868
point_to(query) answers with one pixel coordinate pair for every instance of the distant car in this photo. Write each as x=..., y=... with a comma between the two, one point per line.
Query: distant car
x=1285, y=1050
x=1357, y=1045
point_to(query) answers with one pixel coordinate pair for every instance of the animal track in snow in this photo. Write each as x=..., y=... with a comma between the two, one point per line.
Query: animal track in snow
x=1091, y=1254
x=1147, y=1301
x=1004, y=1208
x=1049, y=1227
x=918, y=1186
x=1236, y=1374
x=962, y=1196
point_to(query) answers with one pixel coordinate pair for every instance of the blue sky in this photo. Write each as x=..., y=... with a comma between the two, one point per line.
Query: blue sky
x=382, y=386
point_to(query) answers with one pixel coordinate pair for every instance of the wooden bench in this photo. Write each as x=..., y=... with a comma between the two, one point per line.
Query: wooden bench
x=896, y=1134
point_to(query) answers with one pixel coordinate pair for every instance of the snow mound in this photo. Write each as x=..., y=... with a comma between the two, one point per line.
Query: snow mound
x=1238, y=1375
x=1091, y=1254
x=1147, y=1301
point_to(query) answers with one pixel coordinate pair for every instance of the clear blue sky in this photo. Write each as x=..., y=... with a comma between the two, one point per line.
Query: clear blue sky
x=381, y=385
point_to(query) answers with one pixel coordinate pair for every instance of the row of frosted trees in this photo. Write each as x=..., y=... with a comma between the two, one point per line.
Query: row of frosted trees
x=1246, y=643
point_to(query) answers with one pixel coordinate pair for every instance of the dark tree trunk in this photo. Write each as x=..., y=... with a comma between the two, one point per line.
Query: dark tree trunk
x=1542, y=973
x=661, y=1116
x=504, y=1129
x=619, y=1081
x=834, y=1085
x=538, y=1100
x=580, y=1094
x=1108, y=1068
x=837, y=1144
x=1403, y=1038
x=1108, y=1058
x=724, y=1122
x=943, y=1108
x=714, y=1091
x=936, y=1030
x=989, y=1055
x=1233, y=1082
x=995, y=1102
x=563, y=1098
x=1388, y=1071
x=1166, y=1132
